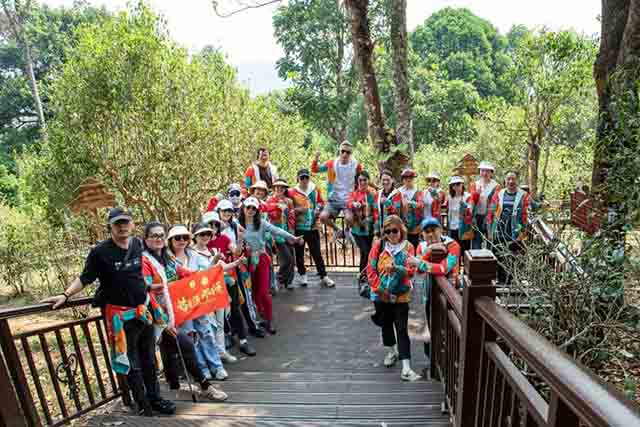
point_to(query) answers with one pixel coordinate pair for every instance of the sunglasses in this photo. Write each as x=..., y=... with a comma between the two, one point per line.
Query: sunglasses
x=234, y=193
x=230, y=211
x=206, y=234
x=304, y=177
x=157, y=236
x=251, y=208
x=184, y=238
x=391, y=231
x=345, y=152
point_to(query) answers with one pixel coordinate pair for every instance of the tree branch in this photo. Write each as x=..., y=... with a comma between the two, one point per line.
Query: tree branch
x=242, y=8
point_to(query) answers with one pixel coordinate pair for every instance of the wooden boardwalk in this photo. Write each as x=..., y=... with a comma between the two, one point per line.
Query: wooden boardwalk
x=323, y=368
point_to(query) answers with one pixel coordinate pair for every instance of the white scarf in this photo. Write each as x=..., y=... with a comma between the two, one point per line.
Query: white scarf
x=408, y=192
x=395, y=249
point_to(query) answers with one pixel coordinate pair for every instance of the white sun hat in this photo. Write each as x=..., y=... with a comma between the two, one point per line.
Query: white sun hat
x=456, y=180
x=487, y=166
x=178, y=230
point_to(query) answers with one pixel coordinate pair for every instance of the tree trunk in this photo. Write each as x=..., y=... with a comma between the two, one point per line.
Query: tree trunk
x=363, y=55
x=17, y=27
x=402, y=100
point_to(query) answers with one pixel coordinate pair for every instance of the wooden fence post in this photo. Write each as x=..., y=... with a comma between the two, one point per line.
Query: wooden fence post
x=480, y=271
x=28, y=416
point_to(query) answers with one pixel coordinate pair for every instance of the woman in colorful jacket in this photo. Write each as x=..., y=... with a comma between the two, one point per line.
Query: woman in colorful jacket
x=508, y=220
x=158, y=271
x=255, y=236
x=364, y=210
x=437, y=255
x=281, y=213
x=413, y=205
x=389, y=199
x=460, y=213
x=390, y=272
x=433, y=198
x=307, y=202
x=486, y=188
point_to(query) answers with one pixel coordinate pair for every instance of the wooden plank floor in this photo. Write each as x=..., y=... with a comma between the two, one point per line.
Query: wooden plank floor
x=322, y=368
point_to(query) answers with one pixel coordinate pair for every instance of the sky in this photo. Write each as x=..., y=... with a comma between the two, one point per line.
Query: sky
x=247, y=38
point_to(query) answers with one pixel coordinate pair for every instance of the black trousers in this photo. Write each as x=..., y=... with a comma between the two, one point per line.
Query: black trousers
x=235, y=312
x=506, y=249
x=364, y=245
x=395, y=320
x=311, y=239
x=143, y=375
x=285, y=264
x=173, y=366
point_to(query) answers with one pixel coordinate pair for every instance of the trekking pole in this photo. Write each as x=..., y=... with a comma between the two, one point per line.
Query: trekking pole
x=184, y=365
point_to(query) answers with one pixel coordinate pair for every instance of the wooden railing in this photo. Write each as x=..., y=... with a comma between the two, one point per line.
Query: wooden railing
x=485, y=356
x=54, y=372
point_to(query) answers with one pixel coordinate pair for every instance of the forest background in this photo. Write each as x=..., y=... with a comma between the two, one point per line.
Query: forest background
x=88, y=93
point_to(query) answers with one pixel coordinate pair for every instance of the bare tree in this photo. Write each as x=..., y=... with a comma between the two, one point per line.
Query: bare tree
x=239, y=6
x=16, y=17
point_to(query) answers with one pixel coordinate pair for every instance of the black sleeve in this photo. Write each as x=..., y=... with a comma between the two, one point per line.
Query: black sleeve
x=90, y=272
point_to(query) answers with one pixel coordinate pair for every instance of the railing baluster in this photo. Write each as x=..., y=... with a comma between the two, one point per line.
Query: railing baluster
x=94, y=360
x=105, y=351
x=52, y=372
x=560, y=415
x=36, y=379
x=83, y=369
x=68, y=371
x=17, y=374
x=11, y=414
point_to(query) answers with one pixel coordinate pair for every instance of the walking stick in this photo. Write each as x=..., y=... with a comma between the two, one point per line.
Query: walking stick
x=184, y=365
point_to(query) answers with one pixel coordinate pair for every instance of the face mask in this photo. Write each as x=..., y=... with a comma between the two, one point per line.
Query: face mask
x=235, y=199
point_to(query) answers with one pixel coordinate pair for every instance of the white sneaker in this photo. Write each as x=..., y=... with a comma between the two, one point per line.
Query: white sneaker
x=227, y=357
x=303, y=281
x=215, y=394
x=221, y=374
x=390, y=359
x=410, y=376
x=328, y=282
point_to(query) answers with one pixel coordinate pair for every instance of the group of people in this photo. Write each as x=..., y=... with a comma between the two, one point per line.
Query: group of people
x=397, y=229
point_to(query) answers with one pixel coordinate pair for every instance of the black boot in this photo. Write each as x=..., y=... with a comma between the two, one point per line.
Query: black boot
x=144, y=409
x=136, y=385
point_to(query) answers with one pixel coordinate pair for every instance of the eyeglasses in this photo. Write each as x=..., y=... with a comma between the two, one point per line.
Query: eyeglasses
x=391, y=231
x=345, y=152
x=157, y=236
x=230, y=211
x=205, y=234
x=183, y=238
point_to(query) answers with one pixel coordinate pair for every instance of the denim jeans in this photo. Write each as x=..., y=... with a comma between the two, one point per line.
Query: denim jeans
x=206, y=348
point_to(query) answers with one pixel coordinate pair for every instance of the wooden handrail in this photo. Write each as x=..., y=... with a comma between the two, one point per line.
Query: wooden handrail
x=28, y=310
x=451, y=294
x=586, y=394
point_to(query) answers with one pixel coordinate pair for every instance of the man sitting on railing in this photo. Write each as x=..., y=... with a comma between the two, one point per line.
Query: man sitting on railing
x=128, y=309
x=437, y=255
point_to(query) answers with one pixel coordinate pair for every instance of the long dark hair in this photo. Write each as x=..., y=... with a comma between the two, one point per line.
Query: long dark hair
x=358, y=175
x=256, y=219
x=452, y=191
x=162, y=258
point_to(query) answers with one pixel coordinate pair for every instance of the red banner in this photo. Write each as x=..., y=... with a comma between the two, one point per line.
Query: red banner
x=201, y=293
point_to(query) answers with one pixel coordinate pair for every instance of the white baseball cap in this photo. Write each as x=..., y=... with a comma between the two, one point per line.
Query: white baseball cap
x=456, y=180
x=251, y=201
x=486, y=165
x=224, y=205
x=433, y=175
x=210, y=217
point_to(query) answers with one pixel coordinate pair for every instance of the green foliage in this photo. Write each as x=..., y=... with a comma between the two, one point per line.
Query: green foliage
x=162, y=129
x=464, y=47
x=51, y=32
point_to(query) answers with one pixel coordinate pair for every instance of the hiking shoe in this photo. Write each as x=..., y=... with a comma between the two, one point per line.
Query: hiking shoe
x=303, y=281
x=165, y=407
x=144, y=409
x=326, y=281
x=227, y=357
x=391, y=358
x=410, y=376
x=221, y=375
x=214, y=393
x=247, y=349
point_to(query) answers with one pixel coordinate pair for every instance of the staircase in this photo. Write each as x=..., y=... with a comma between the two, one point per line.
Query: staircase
x=323, y=368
